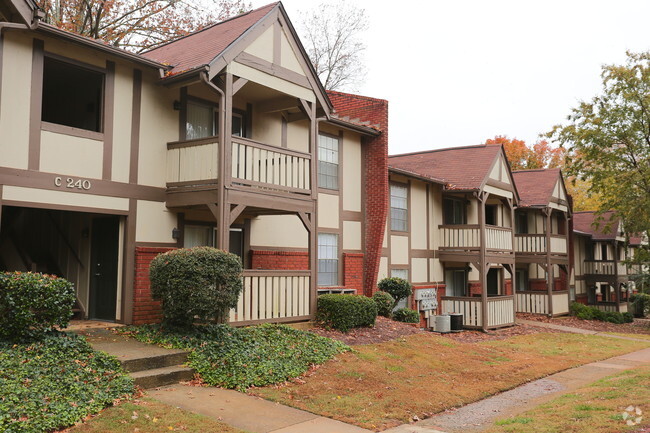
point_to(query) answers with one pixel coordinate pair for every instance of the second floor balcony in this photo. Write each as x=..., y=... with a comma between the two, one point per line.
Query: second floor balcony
x=538, y=244
x=250, y=165
x=467, y=237
x=604, y=267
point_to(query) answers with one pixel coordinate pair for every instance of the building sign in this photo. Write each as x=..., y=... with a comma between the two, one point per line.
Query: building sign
x=72, y=183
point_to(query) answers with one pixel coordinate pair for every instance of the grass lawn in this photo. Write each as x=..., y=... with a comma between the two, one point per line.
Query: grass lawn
x=597, y=408
x=639, y=336
x=382, y=385
x=149, y=416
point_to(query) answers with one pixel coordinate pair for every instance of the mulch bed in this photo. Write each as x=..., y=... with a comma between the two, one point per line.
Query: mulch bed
x=639, y=326
x=384, y=330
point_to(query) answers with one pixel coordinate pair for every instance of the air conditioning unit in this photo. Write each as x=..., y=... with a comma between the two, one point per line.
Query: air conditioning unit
x=441, y=323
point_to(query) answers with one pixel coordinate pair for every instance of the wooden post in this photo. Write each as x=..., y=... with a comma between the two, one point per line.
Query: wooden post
x=482, y=196
x=549, y=265
x=313, y=234
x=225, y=142
x=513, y=268
x=616, y=285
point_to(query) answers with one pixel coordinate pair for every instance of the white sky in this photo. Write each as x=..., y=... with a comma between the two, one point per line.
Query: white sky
x=458, y=72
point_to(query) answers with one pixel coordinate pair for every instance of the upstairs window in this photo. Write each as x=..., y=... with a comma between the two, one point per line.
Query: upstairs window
x=521, y=222
x=328, y=162
x=201, y=121
x=72, y=95
x=491, y=214
x=398, y=207
x=454, y=211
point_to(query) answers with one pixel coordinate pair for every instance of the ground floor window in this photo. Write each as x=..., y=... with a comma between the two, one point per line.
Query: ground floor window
x=403, y=274
x=328, y=259
x=521, y=279
x=199, y=236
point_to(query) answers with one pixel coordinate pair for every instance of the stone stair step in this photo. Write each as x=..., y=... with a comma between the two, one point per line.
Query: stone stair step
x=157, y=377
x=150, y=362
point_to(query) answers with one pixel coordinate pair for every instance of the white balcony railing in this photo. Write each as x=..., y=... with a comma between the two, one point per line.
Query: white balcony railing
x=193, y=160
x=468, y=237
x=500, y=310
x=273, y=295
x=537, y=302
x=604, y=267
x=536, y=244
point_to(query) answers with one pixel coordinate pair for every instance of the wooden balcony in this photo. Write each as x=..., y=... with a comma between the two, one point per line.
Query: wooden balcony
x=604, y=267
x=468, y=237
x=500, y=311
x=636, y=269
x=273, y=296
x=537, y=244
x=193, y=165
x=536, y=302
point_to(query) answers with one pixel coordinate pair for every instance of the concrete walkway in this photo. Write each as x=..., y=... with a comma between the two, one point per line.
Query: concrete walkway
x=480, y=415
x=249, y=413
x=575, y=330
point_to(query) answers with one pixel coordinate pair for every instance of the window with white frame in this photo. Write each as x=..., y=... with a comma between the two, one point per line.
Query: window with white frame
x=328, y=259
x=398, y=207
x=328, y=162
x=456, y=282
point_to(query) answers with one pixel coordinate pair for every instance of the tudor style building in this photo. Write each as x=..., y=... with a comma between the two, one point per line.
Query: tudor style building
x=542, y=242
x=451, y=227
x=224, y=137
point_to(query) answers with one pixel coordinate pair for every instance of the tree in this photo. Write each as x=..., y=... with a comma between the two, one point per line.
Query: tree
x=137, y=25
x=580, y=192
x=608, y=139
x=524, y=157
x=331, y=34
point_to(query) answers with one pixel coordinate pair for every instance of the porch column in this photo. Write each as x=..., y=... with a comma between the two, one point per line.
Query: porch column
x=616, y=280
x=514, y=255
x=482, y=197
x=549, y=265
x=225, y=149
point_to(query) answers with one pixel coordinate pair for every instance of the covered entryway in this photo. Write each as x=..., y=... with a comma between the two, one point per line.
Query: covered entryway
x=81, y=247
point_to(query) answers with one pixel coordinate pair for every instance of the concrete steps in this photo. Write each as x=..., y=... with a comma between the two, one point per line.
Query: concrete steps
x=149, y=366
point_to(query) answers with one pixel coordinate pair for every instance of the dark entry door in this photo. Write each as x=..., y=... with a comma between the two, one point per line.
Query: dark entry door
x=103, y=267
x=493, y=282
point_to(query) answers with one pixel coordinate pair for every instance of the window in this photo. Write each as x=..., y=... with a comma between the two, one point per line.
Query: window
x=603, y=251
x=72, y=95
x=454, y=211
x=200, y=121
x=199, y=236
x=328, y=162
x=521, y=279
x=456, y=282
x=521, y=222
x=328, y=259
x=398, y=207
x=491, y=214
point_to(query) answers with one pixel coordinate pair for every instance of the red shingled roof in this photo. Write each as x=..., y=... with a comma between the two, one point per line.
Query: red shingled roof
x=200, y=48
x=583, y=222
x=359, y=110
x=461, y=168
x=536, y=186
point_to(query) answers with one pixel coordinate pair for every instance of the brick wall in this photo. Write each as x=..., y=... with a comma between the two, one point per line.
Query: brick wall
x=280, y=260
x=145, y=309
x=353, y=271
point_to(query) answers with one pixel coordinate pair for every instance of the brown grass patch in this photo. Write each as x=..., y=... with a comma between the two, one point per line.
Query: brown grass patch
x=387, y=384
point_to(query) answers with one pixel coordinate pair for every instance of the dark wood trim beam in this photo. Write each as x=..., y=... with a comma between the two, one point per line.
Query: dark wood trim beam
x=238, y=84
x=36, y=102
x=128, y=270
x=277, y=43
x=42, y=180
x=40, y=205
x=273, y=69
x=109, y=124
x=235, y=212
x=136, y=106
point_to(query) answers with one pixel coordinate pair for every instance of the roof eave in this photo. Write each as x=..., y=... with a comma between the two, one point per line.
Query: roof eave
x=415, y=176
x=354, y=127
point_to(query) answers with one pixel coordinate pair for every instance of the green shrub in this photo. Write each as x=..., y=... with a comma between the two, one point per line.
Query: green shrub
x=32, y=304
x=398, y=288
x=344, y=312
x=585, y=312
x=406, y=315
x=56, y=382
x=641, y=303
x=243, y=357
x=202, y=281
x=385, y=303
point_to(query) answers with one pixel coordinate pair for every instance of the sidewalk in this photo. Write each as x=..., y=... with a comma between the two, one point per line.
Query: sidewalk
x=246, y=412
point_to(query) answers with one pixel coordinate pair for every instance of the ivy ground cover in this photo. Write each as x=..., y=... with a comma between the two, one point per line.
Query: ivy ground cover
x=243, y=357
x=378, y=386
x=55, y=382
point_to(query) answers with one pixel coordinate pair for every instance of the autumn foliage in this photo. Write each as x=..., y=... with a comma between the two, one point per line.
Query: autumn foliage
x=524, y=157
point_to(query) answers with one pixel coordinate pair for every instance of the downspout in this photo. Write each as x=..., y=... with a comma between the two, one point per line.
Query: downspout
x=221, y=194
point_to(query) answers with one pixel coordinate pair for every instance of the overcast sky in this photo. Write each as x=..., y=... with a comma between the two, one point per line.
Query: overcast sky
x=458, y=72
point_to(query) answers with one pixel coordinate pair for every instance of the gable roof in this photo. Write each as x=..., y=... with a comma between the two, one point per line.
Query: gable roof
x=536, y=186
x=19, y=11
x=459, y=168
x=360, y=110
x=584, y=222
x=201, y=48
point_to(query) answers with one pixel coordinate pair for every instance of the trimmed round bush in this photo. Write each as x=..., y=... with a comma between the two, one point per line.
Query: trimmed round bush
x=32, y=304
x=406, y=315
x=344, y=312
x=201, y=282
x=586, y=312
x=385, y=303
x=398, y=288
